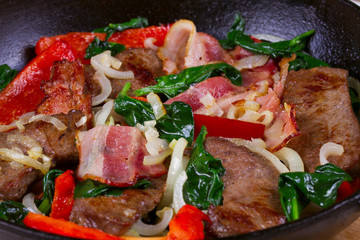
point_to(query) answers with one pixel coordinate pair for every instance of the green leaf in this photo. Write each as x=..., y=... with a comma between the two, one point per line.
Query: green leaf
x=176, y=123
x=297, y=189
x=13, y=212
x=204, y=185
x=48, y=189
x=174, y=84
x=91, y=188
x=97, y=46
x=355, y=102
x=6, y=75
x=305, y=61
x=138, y=22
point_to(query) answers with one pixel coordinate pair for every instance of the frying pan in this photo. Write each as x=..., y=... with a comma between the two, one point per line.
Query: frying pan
x=336, y=41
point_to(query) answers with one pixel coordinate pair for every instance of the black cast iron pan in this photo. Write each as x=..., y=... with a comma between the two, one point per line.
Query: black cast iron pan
x=337, y=41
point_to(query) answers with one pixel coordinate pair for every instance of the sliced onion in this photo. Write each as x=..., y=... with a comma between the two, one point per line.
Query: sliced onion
x=178, y=164
x=251, y=62
x=291, y=158
x=102, y=115
x=329, y=149
x=49, y=119
x=81, y=122
x=212, y=109
x=157, y=159
x=151, y=230
x=105, y=88
x=97, y=64
x=28, y=202
x=11, y=155
x=156, y=104
x=261, y=151
x=149, y=43
x=25, y=141
x=178, y=199
x=268, y=37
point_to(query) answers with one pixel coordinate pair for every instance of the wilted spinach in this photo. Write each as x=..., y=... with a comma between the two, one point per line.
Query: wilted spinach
x=297, y=189
x=97, y=46
x=6, y=75
x=13, y=212
x=203, y=185
x=176, y=123
x=174, y=84
x=90, y=188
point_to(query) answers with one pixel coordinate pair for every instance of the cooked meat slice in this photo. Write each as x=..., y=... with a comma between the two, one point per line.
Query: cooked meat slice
x=14, y=180
x=65, y=90
x=323, y=114
x=250, y=198
x=115, y=215
x=144, y=63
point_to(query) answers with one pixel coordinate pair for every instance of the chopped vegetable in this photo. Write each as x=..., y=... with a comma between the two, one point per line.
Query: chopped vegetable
x=63, y=227
x=48, y=190
x=176, y=123
x=23, y=94
x=97, y=46
x=236, y=36
x=12, y=211
x=63, y=196
x=174, y=84
x=297, y=189
x=204, y=185
x=187, y=224
x=6, y=75
x=90, y=188
x=230, y=128
x=139, y=22
x=344, y=191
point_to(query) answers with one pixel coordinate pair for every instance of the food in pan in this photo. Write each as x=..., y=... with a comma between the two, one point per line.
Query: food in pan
x=163, y=131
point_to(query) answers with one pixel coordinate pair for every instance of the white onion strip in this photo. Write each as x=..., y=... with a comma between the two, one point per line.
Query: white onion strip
x=157, y=159
x=106, y=88
x=151, y=230
x=178, y=199
x=251, y=62
x=102, y=115
x=41, y=117
x=329, y=149
x=149, y=43
x=291, y=158
x=156, y=104
x=28, y=202
x=261, y=151
x=81, y=122
x=178, y=164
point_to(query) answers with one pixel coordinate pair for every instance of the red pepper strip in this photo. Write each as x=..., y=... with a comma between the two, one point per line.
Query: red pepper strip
x=230, y=128
x=130, y=38
x=187, y=224
x=63, y=196
x=64, y=228
x=23, y=94
x=344, y=191
x=140, y=99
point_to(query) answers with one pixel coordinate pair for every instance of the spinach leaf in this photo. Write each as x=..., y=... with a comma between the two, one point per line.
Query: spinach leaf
x=13, y=212
x=236, y=36
x=297, y=189
x=305, y=61
x=91, y=188
x=138, y=22
x=97, y=46
x=204, y=185
x=6, y=75
x=48, y=189
x=174, y=84
x=176, y=123
x=355, y=102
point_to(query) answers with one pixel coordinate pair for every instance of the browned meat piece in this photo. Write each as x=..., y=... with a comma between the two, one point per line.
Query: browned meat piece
x=65, y=90
x=115, y=215
x=144, y=63
x=323, y=114
x=14, y=181
x=250, y=198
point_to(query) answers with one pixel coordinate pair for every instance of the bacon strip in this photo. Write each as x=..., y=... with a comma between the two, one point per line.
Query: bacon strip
x=114, y=155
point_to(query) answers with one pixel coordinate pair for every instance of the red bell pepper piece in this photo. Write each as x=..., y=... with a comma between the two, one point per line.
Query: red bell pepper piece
x=344, y=191
x=64, y=228
x=230, y=128
x=23, y=94
x=187, y=224
x=130, y=38
x=63, y=196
